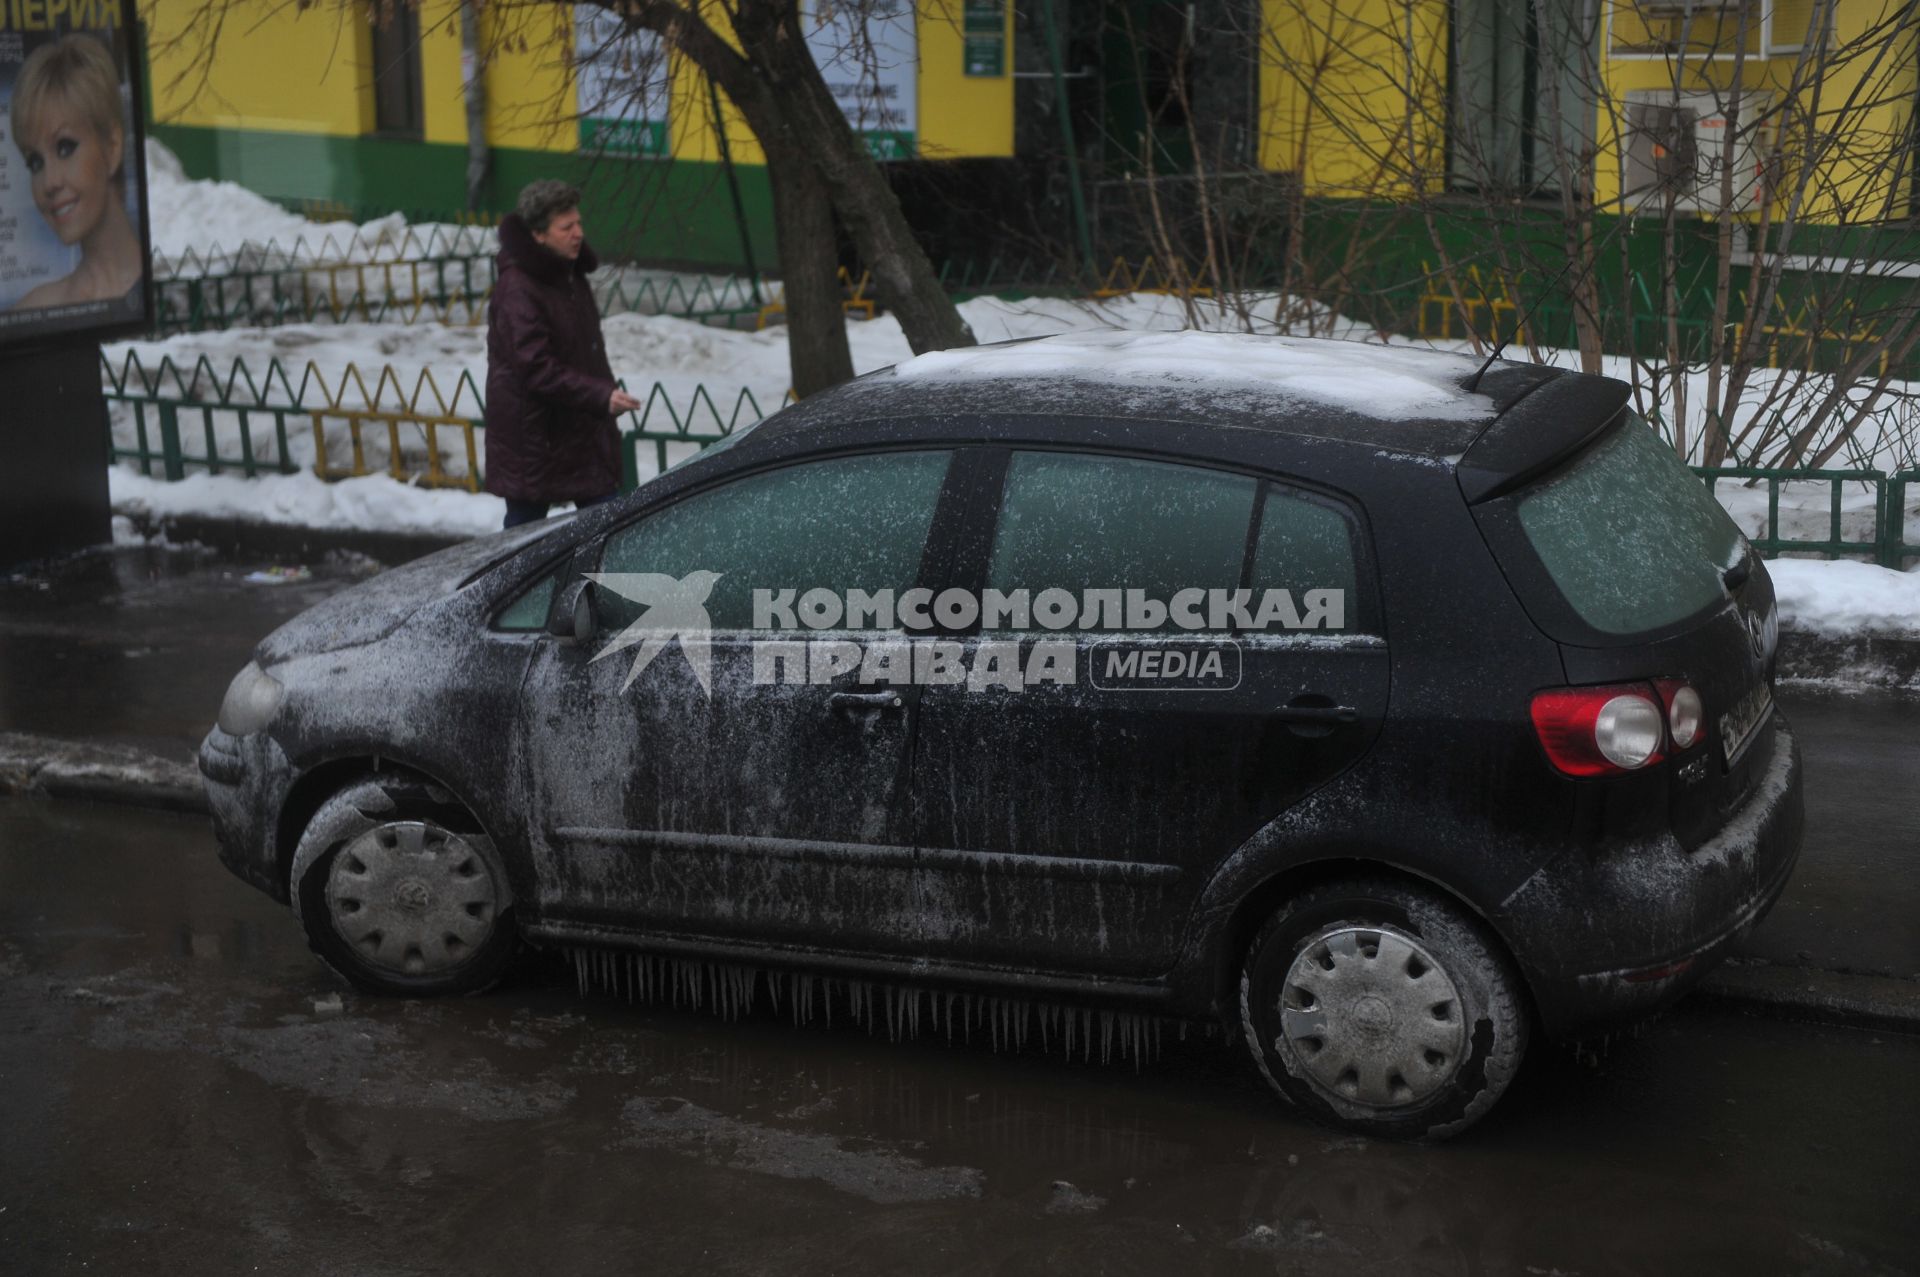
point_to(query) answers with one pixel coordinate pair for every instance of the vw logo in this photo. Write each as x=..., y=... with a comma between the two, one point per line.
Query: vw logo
x=1760, y=633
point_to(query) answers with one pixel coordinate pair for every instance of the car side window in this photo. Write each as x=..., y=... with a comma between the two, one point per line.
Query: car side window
x=1305, y=545
x=842, y=524
x=529, y=610
x=1079, y=522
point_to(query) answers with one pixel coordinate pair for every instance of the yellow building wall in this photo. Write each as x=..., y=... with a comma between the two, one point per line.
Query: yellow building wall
x=303, y=71
x=1354, y=97
x=1866, y=89
x=961, y=115
x=443, y=99
x=1868, y=105
x=530, y=99
x=691, y=121
x=1353, y=94
x=690, y=114
x=309, y=71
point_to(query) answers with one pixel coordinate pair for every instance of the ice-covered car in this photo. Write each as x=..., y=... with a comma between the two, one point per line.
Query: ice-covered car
x=1377, y=706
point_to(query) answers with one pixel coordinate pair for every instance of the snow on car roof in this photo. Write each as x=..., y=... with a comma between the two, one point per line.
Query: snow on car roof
x=1384, y=382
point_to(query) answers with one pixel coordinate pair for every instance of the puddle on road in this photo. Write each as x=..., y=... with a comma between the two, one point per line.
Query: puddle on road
x=881, y=1175
x=137, y=644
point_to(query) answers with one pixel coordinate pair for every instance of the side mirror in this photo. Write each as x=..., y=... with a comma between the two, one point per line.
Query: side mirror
x=572, y=614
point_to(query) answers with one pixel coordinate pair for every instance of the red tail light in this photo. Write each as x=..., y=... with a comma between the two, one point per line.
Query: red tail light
x=1601, y=731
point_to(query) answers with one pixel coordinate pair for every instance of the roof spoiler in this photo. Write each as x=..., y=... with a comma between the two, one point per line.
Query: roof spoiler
x=1552, y=418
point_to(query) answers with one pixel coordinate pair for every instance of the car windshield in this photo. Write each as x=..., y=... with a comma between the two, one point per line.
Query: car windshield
x=1632, y=539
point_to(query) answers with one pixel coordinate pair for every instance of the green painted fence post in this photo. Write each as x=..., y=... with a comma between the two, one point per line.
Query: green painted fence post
x=629, y=467
x=173, y=463
x=1892, y=519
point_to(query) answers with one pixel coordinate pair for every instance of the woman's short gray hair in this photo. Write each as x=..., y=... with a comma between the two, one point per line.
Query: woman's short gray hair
x=540, y=201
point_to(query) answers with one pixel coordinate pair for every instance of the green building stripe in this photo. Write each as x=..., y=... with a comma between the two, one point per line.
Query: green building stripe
x=669, y=211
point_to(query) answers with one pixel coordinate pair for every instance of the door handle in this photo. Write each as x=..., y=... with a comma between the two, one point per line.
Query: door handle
x=848, y=702
x=1317, y=714
x=1312, y=716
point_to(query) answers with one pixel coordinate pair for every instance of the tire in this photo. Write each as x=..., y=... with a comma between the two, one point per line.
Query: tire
x=402, y=893
x=1380, y=1007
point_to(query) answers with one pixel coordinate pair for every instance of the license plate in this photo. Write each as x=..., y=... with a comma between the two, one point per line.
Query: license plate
x=1738, y=725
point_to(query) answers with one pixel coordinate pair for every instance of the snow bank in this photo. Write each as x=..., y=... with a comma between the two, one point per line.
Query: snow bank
x=215, y=221
x=1846, y=599
x=189, y=215
x=373, y=504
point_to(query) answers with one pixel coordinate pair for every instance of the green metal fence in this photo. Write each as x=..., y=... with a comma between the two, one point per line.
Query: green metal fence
x=1895, y=547
x=449, y=289
x=198, y=418
x=244, y=421
x=442, y=289
x=1886, y=542
x=707, y=298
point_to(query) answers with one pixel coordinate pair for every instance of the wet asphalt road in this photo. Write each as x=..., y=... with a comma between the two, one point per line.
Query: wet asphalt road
x=138, y=645
x=171, y=1101
x=1854, y=902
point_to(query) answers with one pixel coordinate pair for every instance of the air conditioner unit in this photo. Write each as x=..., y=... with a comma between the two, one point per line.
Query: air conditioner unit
x=1677, y=143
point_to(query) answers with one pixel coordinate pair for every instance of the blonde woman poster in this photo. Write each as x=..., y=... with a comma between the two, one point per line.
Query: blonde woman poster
x=72, y=254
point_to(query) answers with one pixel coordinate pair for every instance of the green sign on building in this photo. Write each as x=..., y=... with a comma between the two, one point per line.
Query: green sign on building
x=984, y=37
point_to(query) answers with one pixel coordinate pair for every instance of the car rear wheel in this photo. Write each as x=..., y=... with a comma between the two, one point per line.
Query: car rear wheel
x=401, y=891
x=1380, y=1007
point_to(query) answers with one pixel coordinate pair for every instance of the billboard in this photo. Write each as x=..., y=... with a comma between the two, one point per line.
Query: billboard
x=622, y=79
x=868, y=52
x=73, y=199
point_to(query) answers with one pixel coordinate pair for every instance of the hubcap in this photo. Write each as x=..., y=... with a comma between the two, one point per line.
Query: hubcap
x=1371, y=1017
x=412, y=898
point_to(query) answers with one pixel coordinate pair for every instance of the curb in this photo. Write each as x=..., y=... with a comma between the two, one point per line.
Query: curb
x=248, y=539
x=1877, y=662
x=98, y=771
x=1885, y=1003
x=105, y=772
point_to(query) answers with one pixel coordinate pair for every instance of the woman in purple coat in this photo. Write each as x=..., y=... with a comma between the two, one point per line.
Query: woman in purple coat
x=551, y=397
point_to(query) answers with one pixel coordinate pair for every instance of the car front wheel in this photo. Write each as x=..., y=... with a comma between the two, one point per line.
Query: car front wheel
x=401, y=892
x=1381, y=1007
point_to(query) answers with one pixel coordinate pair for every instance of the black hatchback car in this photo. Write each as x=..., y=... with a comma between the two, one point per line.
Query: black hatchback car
x=1377, y=707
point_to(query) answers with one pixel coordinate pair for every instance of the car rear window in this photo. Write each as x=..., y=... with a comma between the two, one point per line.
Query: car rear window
x=1630, y=537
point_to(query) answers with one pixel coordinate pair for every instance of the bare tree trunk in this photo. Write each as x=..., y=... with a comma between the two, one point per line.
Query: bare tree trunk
x=817, y=167
x=817, y=352
x=473, y=62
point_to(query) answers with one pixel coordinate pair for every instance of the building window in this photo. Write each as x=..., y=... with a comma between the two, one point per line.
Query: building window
x=396, y=70
x=1523, y=74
